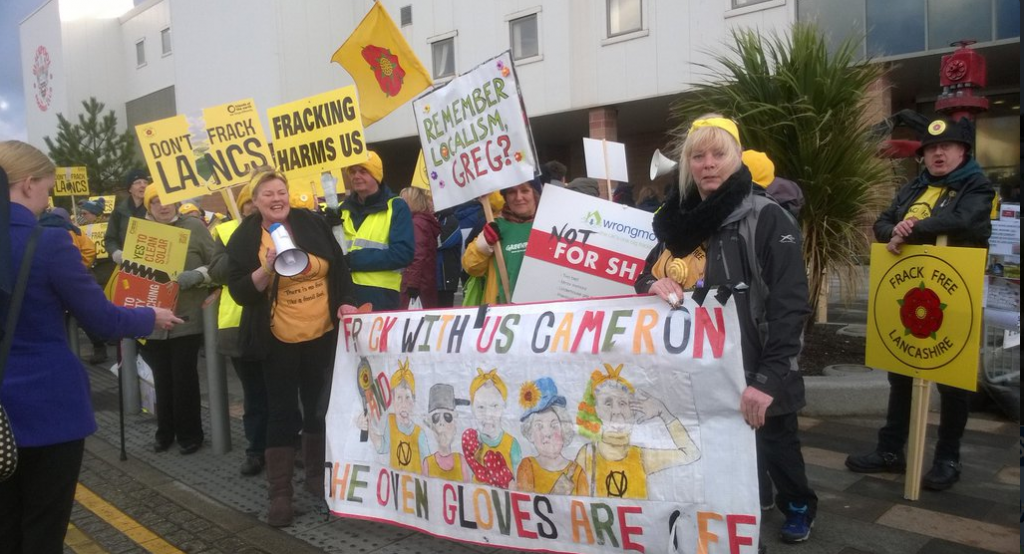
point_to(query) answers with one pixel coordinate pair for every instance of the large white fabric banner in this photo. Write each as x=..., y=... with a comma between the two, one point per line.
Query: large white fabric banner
x=599, y=425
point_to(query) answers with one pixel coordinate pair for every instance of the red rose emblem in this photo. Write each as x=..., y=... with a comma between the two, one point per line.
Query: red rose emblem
x=386, y=68
x=921, y=312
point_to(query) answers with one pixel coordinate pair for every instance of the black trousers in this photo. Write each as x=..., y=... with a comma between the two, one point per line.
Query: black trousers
x=778, y=449
x=176, y=379
x=956, y=407
x=254, y=391
x=294, y=371
x=35, y=503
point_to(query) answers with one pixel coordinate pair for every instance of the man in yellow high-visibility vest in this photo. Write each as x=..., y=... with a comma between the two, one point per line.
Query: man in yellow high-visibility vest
x=378, y=235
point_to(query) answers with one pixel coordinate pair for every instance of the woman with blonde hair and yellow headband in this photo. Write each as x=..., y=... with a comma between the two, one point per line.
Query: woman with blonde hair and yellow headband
x=400, y=437
x=491, y=453
x=714, y=232
x=289, y=324
x=607, y=414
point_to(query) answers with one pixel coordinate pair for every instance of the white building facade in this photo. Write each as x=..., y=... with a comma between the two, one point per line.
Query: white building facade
x=598, y=68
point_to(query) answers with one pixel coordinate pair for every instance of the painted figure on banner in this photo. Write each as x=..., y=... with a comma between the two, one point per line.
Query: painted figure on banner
x=401, y=438
x=610, y=408
x=443, y=422
x=491, y=453
x=549, y=427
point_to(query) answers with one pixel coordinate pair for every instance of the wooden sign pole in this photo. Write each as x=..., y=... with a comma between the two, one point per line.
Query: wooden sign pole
x=919, y=402
x=499, y=255
x=607, y=174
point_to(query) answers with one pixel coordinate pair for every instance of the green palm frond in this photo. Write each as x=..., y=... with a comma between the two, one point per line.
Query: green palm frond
x=803, y=104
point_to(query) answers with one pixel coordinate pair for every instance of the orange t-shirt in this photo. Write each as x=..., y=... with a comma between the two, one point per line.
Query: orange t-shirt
x=302, y=311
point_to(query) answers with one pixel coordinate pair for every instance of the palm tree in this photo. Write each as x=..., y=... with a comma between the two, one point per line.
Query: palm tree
x=804, y=106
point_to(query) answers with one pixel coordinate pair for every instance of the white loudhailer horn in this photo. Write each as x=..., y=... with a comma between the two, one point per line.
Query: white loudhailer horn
x=290, y=260
x=661, y=165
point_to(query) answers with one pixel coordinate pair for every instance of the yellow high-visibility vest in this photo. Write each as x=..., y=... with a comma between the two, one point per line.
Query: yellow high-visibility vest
x=229, y=313
x=373, y=233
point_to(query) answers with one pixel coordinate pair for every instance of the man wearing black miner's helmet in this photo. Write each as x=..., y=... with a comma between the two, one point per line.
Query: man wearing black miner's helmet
x=951, y=197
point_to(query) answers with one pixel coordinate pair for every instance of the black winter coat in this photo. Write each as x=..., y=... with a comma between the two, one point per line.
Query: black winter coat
x=772, y=306
x=311, y=234
x=962, y=213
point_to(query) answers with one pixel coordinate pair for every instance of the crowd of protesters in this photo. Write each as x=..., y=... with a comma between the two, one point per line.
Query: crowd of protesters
x=397, y=253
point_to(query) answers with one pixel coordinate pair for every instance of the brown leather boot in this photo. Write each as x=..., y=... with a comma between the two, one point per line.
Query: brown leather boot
x=279, y=485
x=313, y=458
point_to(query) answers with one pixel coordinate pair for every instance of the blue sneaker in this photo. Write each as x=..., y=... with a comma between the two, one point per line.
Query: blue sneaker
x=798, y=524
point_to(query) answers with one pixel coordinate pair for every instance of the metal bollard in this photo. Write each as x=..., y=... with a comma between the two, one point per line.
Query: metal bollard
x=73, y=342
x=217, y=381
x=130, y=376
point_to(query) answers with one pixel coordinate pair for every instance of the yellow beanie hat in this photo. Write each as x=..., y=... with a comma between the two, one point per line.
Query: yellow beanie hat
x=375, y=166
x=299, y=199
x=189, y=208
x=151, y=193
x=244, y=195
x=761, y=168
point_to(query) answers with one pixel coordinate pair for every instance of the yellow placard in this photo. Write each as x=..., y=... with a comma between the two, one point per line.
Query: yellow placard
x=96, y=231
x=317, y=134
x=233, y=145
x=156, y=246
x=924, y=313
x=167, y=147
x=71, y=181
x=108, y=202
x=419, y=175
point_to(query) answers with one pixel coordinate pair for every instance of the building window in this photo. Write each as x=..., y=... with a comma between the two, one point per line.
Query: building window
x=524, y=37
x=405, y=15
x=443, y=54
x=165, y=41
x=624, y=17
x=140, y=53
x=744, y=3
x=895, y=27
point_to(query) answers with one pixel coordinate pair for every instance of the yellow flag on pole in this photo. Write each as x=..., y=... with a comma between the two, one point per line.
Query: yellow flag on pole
x=419, y=175
x=386, y=71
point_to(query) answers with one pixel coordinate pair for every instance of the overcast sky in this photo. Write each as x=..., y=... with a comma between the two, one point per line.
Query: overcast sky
x=12, y=98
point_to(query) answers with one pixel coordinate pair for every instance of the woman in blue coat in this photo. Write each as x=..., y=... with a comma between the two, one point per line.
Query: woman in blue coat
x=45, y=389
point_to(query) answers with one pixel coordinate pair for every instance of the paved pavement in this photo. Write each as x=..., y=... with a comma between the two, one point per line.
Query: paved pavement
x=200, y=503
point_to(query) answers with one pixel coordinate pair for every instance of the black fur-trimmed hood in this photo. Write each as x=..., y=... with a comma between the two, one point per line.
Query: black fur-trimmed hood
x=684, y=227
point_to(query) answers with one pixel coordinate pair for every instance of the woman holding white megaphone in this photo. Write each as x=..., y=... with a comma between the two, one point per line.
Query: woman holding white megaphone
x=289, y=275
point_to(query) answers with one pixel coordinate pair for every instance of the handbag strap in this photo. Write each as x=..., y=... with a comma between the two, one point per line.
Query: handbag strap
x=17, y=297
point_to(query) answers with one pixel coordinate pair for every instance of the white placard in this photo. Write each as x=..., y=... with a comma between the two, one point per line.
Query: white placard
x=594, y=150
x=582, y=247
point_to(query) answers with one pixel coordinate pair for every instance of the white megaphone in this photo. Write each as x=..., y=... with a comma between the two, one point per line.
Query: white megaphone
x=290, y=260
x=661, y=165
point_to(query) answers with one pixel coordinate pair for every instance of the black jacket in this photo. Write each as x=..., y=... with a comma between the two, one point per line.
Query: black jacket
x=773, y=306
x=311, y=234
x=117, y=227
x=962, y=213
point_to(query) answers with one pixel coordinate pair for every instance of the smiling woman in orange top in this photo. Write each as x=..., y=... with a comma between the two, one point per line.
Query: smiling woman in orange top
x=288, y=324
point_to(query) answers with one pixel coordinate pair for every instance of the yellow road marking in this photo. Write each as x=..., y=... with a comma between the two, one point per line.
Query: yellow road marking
x=80, y=542
x=126, y=525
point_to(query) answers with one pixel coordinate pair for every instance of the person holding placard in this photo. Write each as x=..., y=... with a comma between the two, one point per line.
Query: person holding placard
x=117, y=228
x=290, y=326
x=43, y=387
x=715, y=233
x=512, y=228
x=174, y=355
x=378, y=235
x=951, y=197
